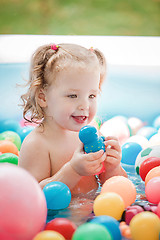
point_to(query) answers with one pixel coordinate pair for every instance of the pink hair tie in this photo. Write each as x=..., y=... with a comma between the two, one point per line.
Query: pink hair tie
x=54, y=47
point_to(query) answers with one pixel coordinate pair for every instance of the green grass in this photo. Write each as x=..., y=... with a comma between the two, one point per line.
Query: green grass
x=80, y=17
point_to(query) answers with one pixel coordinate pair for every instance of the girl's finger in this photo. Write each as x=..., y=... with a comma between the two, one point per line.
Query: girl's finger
x=114, y=144
x=113, y=153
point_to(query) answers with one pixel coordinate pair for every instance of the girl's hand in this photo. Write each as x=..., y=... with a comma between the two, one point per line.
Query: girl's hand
x=87, y=164
x=113, y=153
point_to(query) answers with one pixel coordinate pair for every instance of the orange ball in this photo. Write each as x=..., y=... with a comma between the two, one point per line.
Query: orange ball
x=154, y=172
x=48, y=235
x=110, y=204
x=7, y=146
x=122, y=186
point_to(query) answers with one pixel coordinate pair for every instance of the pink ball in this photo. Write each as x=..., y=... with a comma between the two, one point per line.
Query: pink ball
x=23, y=206
x=158, y=210
x=152, y=190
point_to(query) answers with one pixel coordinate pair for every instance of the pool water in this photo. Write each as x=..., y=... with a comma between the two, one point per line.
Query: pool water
x=80, y=209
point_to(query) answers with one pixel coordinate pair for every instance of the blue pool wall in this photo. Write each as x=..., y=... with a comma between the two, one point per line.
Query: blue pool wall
x=128, y=91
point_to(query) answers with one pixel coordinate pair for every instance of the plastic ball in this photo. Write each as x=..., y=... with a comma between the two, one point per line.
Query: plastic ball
x=147, y=132
x=11, y=136
x=58, y=195
x=130, y=150
x=142, y=141
x=111, y=225
x=156, y=122
x=8, y=147
x=122, y=186
x=152, y=190
x=145, y=225
x=154, y=140
x=9, y=125
x=48, y=235
x=24, y=131
x=91, y=231
x=116, y=126
x=155, y=172
x=9, y=158
x=110, y=204
x=62, y=225
x=135, y=124
x=146, y=153
x=147, y=165
x=158, y=210
x=23, y=205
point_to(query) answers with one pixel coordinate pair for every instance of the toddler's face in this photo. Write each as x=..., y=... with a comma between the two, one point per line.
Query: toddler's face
x=72, y=99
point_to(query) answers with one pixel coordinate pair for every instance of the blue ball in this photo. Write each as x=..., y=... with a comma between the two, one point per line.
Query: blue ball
x=58, y=195
x=24, y=131
x=9, y=125
x=130, y=152
x=111, y=224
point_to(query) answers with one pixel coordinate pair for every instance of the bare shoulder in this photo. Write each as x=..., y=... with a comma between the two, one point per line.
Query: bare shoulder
x=34, y=155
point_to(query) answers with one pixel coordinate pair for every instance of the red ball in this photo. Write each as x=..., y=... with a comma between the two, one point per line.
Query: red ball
x=62, y=225
x=152, y=190
x=147, y=165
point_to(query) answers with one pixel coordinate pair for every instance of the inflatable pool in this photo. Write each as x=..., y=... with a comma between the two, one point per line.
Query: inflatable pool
x=131, y=89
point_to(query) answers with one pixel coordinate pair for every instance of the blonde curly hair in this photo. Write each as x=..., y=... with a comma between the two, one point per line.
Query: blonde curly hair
x=46, y=61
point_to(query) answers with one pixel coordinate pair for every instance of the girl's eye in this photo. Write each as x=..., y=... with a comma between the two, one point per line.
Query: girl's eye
x=72, y=96
x=92, y=96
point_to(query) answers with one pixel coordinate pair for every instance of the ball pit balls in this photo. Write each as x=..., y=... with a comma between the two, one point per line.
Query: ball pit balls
x=62, y=225
x=146, y=153
x=23, y=205
x=130, y=150
x=8, y=147
x=147, y=165
x=147, y=131
x=111, y=225
x=24, y=131
x=110, y=204
x=58, y=195
x=122, y=186
x=156, y=122
x=9, y=157
x=154, y=140
x=11, y=136
x=158, y=210
x=135, y=124
x=142, y=141
x=48, y=235
x=116, y=126
x=91, y=231
x=152, y=190
x=155, y=172
x=145, y=225
x=9, y=125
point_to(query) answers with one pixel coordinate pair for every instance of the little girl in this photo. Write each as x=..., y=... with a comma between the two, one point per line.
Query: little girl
x=64, y=84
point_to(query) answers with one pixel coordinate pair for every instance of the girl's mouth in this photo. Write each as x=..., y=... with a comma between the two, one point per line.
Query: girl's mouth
x=80, y=119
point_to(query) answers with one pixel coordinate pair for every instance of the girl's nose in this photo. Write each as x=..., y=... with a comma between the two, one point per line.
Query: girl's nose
x=83, y=105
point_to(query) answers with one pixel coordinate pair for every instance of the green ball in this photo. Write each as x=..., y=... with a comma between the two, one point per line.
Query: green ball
x=11, y=136
x=91, y=231
x=9, y=158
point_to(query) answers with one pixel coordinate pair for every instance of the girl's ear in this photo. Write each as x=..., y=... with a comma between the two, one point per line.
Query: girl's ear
x=41, y=98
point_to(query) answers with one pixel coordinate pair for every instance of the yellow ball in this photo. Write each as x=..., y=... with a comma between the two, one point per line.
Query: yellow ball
x=48, y=235
x=122, y=186
x=110, y=204
x=145, y=225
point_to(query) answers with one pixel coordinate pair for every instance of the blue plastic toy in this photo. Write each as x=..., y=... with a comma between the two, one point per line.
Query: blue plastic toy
x=92, y=142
